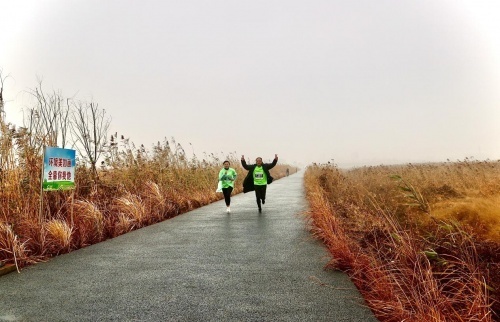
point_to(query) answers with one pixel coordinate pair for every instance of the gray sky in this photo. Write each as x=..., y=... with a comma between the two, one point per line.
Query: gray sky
x=361, y=82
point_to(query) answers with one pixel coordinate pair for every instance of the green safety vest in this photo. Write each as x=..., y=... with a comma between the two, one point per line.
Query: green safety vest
x=225, y=176
x=259, y=176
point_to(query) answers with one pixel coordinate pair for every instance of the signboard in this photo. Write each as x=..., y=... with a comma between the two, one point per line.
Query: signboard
x=58, y=169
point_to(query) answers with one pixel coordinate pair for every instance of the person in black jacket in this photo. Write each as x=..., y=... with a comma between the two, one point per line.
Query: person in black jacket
x=258, y=178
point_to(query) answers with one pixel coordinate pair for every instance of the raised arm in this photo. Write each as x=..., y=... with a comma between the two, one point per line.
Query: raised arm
x=272, y=164
x=244, y=163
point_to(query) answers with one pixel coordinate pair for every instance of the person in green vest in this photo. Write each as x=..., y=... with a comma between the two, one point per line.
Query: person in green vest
x=258, y=178
x=227, y=176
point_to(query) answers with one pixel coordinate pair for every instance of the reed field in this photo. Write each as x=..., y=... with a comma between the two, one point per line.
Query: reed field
x=420, y=241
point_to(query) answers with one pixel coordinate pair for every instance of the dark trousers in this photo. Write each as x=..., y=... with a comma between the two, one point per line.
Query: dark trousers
x=227, y=195
x=260, y=193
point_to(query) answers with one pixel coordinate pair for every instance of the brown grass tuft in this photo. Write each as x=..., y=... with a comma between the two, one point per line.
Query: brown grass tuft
x=121, y=225
x=11, y=249
x=132, y=207
x=89, y=223
x=478, y=214
x=58, y=236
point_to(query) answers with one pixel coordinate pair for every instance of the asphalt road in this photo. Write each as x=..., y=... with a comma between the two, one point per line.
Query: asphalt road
x=204, y=265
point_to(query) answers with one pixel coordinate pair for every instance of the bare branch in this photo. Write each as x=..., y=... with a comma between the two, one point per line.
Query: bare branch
x=90, y=129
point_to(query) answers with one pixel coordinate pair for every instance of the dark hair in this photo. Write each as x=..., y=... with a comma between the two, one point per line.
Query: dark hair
x=226, y=161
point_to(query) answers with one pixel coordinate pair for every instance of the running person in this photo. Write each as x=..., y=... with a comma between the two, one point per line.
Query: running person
x=258, y=178
x=227, y=176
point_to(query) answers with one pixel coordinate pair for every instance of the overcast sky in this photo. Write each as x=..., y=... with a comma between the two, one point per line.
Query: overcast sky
x=360, y=82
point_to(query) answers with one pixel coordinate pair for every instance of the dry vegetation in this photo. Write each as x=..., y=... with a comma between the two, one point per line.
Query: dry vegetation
x=133, y=187
x=421, y=242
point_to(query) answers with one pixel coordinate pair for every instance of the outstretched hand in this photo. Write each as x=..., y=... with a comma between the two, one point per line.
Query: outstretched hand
x=275, y=156
x=242, y=157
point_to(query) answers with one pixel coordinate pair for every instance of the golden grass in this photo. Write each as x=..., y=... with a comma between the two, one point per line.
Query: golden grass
x=478, y=214
x=89, y=223
x=58, y=236
x=132, y=207
x=419, y=241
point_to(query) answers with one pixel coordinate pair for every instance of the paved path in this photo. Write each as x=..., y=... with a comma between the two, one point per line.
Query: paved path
x=204, y=265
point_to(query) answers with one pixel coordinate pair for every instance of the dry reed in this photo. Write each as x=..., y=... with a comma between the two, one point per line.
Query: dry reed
x=58, y=236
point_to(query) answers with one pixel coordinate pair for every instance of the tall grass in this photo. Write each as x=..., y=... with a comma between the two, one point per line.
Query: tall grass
x=419, y=241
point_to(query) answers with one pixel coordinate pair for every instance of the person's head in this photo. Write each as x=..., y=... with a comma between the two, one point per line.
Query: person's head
x=258, y=161
x=226, y=164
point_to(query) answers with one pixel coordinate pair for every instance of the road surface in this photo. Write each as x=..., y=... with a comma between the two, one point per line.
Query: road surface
x=204, y=265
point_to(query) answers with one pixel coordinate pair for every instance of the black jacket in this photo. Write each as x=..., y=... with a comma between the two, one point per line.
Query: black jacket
x=248, y=182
